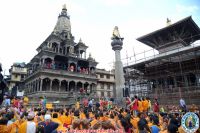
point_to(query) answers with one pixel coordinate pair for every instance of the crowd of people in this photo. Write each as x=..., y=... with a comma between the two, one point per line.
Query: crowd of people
x=140, y=115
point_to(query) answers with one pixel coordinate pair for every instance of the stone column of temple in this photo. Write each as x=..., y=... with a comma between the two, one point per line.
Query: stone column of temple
x=59, y=86
x=38, y=85
x=197, y=79
x=41, y=82
x=116, y=44
x=50, y=89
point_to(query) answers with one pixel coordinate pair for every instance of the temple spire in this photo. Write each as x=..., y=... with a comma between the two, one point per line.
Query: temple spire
x=64, y=7
x=63, y=23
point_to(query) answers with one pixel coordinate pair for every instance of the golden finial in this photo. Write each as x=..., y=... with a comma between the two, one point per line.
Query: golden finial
x=64, y=6
x=80, y=40
x=168, y=22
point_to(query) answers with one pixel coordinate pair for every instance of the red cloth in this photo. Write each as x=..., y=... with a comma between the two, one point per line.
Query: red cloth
x=156, y=107
x=135, y=105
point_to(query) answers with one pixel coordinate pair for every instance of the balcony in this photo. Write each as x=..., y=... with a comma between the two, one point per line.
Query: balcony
x=64, y=72
x=19, y=70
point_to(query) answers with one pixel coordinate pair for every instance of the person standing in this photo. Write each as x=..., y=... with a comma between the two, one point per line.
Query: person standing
x=156, y=106
x=134, y=105
x=183, y=105
x=44, y=102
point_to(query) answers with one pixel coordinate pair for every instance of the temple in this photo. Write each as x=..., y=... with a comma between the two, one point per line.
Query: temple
x=174, y=72
x=60, y=69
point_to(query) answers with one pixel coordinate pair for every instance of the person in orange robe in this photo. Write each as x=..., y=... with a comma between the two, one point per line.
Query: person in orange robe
x=140, y=107
x=68, y=120
x=60, y=128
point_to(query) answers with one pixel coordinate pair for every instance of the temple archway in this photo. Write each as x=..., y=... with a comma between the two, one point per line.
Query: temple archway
x=46, y=84
x=86, y=87
x=64, y=85
x=55, y=85
x=79, y=86
x=72, y=86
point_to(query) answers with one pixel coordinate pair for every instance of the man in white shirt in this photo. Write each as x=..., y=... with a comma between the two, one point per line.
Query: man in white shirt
x=31, y=126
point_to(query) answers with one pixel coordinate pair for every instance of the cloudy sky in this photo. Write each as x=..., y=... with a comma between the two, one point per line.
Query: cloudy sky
x=25, y=24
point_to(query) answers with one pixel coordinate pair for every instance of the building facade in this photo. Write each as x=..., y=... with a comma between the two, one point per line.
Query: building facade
x=17, y=74
x=60, y=68
x=174, y=72
x=105, y=84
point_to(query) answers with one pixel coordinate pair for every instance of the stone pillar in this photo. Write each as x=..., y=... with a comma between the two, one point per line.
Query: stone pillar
x=116, y=44
x=85, y=54
x=38, y=85
x=75, y=87
x=79, y=53
x=197, y=79
x=59, y=86
x=50, y=88
x=41, y=82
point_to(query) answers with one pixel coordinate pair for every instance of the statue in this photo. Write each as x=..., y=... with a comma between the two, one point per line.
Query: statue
x=116, y=34
x=71, y=49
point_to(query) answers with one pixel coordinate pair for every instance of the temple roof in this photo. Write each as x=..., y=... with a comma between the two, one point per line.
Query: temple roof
x=185, y=30
x=63, y=23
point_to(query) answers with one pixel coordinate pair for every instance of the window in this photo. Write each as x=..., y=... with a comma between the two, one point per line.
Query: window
x=108, y=86
x=102, y=86
x=101, y=76
x=108, y=76
x=102, y=94
x=16, y=76
x=109, y=94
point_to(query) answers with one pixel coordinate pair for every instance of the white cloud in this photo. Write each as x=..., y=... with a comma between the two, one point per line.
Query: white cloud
x=115, y=2
x=183, y=8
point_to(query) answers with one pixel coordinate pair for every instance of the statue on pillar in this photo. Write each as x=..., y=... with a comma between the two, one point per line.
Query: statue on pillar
x=115, y=34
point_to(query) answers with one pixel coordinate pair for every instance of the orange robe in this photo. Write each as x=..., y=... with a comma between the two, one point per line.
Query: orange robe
x=60, y=127
x=68, y=120
x=93, y=122
x=140, y=107
x=4, y=129
x=22, y=127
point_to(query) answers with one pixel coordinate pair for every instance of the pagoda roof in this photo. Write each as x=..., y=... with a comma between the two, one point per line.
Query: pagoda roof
x=185, y=30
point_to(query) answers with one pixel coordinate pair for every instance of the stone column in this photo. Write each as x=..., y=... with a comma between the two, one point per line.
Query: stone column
x=59, y=86
x=197, y=79
x=116, y=44
x=85, y=54
x=41, y=82
x=38, y=85
x=50, y=89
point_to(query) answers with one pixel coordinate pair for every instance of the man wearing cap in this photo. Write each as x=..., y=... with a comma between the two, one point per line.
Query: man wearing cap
x=48, y=125
x=28, y=126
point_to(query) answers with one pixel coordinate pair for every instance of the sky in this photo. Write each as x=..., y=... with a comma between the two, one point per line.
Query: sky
x=25, y=24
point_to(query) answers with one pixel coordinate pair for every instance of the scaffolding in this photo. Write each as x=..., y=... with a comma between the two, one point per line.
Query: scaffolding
x=169, y=76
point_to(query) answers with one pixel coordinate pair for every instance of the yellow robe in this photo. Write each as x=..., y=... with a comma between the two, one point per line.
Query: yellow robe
x=60, y=127
x=140, y=108
x=68, y=120
x=22, y=127
x=3, y=129
x=82, y=116
x=93, y=122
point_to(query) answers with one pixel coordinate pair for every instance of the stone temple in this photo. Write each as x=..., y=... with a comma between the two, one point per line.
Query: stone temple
x=60, y=69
